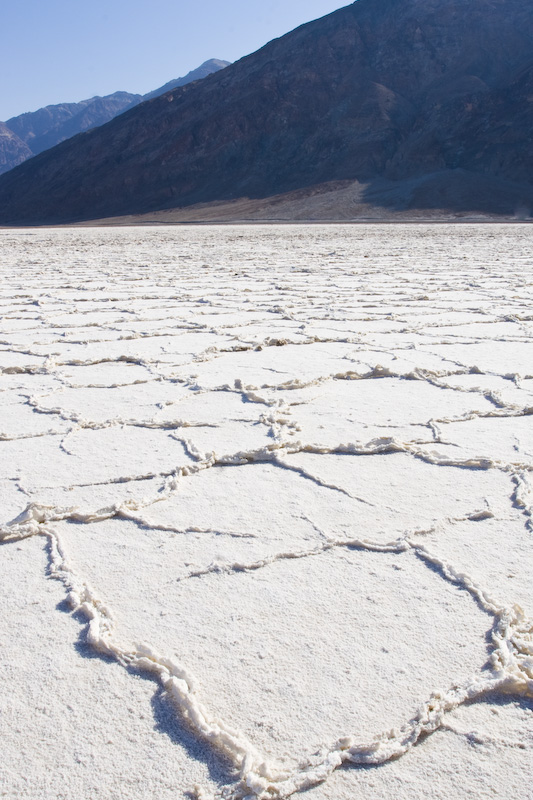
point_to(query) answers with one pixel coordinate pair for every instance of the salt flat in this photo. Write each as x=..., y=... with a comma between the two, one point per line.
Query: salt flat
x=267, y=512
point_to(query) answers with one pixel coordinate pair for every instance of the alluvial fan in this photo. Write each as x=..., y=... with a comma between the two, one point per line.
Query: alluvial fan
x=267, y=510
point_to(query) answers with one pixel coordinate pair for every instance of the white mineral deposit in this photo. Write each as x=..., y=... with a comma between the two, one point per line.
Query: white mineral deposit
x=267, y=512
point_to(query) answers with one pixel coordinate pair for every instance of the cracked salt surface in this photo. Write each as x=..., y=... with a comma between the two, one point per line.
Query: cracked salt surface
x=282, y=477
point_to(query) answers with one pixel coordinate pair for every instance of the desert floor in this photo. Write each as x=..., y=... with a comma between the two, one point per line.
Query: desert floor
x=267, y=512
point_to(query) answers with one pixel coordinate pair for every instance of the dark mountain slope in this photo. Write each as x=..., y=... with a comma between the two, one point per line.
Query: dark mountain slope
x=381, y=89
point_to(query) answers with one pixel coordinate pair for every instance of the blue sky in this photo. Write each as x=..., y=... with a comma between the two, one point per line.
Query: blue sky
x=54, y=51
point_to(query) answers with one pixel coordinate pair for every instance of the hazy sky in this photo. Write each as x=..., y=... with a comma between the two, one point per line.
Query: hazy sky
x=54, y=51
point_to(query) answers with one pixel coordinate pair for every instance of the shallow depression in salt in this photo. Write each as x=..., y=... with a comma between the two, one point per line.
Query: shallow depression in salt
x=267, y=511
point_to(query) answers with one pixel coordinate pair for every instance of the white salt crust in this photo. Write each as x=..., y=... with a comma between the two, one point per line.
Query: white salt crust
x=286, y=473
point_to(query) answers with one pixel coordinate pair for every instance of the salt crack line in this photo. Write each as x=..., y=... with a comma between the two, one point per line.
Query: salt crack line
x=126, y=510
x=399, y=545
x=523, y=496
x=217, y=568
x=173, y=677
x=6, y=437
x=148, y=524
x=252, y=393
x=484, y=739
x=511, y=672
x=87, y=424
x=319, y=481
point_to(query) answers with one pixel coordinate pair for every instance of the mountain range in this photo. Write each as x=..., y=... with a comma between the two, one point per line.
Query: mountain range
x=29, y=134
x=398, y=105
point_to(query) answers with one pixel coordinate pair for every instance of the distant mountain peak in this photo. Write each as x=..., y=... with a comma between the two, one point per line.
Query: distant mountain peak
x=205, y=69
x=33, y=132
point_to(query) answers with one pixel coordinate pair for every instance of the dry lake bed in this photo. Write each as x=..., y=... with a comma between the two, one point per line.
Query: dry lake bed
x=267, y=512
